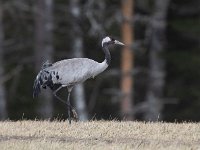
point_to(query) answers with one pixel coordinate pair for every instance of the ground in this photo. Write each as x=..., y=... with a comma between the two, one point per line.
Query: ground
x=105, y=135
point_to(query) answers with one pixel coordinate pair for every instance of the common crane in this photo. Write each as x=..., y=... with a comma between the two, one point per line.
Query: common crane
x=69, y=72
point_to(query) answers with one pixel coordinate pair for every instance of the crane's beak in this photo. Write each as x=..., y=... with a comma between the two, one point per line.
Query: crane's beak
x=119, y=43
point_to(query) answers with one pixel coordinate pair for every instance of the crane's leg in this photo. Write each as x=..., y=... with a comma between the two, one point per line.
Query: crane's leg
x=68, y=102
x=72, y=108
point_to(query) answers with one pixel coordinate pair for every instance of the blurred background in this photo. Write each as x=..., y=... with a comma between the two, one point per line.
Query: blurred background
x=155, y=77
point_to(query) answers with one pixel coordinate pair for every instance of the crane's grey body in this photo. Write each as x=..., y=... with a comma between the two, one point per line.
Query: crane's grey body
x=73, y=71
x=69, y=72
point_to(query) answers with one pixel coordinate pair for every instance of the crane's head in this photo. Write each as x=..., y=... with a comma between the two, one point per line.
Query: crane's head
x=110, y=41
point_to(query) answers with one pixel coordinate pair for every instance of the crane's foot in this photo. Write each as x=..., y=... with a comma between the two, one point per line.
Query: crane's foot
x=75, y=115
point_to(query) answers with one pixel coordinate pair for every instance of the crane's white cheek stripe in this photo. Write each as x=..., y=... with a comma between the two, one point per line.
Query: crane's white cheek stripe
x=106, y=40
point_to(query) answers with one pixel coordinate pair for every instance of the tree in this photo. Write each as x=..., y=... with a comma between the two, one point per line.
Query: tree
x=156, y=43
x=44, y=48
x=3, y=110
x=77, y=49
x=127, y=60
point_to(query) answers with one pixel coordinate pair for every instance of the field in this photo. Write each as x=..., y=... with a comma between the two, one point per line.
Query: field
x=105, y=135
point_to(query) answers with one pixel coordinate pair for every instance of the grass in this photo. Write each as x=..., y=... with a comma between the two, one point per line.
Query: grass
x=105, y=135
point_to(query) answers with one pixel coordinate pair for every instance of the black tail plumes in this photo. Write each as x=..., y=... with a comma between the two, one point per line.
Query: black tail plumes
x=36, y=88
x=43, y=79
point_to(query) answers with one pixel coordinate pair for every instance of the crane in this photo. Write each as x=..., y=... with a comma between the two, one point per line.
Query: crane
x=69, y=72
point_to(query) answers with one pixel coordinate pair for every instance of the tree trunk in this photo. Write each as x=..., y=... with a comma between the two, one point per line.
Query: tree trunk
x=44, y=49
x=3, y=110
x=127, y=61
x=77, y=49
x=157, y=73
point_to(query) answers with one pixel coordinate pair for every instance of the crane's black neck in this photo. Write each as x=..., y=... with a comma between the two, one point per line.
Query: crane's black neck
x=107, y=53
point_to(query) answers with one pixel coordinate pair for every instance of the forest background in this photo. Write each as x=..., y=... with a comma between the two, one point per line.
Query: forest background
x=156, y=76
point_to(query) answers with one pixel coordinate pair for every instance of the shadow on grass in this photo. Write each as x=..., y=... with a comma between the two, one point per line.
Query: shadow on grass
x=93, y=140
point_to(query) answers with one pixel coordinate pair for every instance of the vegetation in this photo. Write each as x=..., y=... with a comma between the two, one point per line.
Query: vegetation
x=98, y=135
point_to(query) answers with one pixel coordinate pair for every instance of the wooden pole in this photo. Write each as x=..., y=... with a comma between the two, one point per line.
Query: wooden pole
x=127, y=60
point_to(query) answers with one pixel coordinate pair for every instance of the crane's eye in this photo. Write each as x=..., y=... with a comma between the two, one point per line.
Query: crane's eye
x=112, y=39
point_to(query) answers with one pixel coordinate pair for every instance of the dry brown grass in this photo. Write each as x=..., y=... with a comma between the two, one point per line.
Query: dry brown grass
x=105, y=135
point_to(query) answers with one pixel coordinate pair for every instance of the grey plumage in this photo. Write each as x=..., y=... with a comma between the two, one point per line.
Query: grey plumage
x=69, y=72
